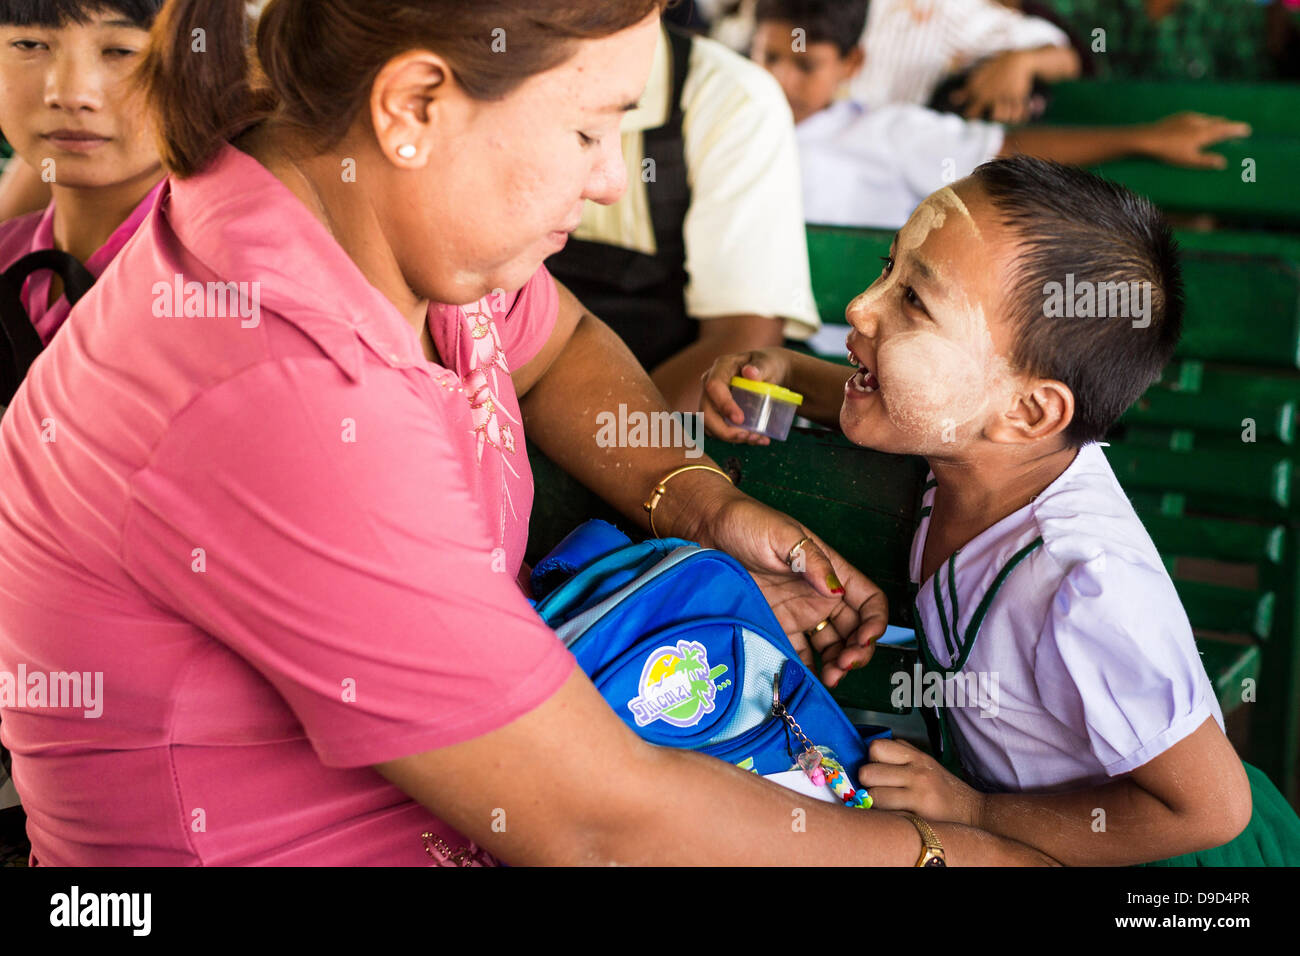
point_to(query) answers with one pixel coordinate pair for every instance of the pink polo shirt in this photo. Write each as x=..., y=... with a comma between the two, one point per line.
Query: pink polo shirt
x=288, y=542
x=34, y=233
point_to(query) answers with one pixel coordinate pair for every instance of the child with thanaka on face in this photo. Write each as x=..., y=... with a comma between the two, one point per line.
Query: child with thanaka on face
x=70, y=108
x=1035, y=575
x=871, y=166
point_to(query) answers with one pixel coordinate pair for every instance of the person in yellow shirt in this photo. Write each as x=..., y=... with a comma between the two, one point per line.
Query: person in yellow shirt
x=706, y=252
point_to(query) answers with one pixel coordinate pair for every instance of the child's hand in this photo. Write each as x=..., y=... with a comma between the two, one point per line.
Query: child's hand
x=721, y=413
x=1182, y=139
x=999, y=89
x=900, y=777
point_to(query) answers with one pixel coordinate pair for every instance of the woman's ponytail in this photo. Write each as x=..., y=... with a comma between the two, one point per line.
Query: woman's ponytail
x=196, y=75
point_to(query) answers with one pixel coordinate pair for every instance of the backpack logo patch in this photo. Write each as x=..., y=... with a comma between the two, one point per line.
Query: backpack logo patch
x=676, y=686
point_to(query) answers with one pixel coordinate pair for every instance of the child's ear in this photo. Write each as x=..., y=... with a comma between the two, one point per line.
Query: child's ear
x=854, y=62
x=1043, y=409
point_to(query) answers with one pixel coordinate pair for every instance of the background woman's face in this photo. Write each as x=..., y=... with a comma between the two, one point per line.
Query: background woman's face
x=510, y=177
x=67, y=103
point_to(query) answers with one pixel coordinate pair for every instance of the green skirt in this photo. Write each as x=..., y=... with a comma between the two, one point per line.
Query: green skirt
x=1271, y=839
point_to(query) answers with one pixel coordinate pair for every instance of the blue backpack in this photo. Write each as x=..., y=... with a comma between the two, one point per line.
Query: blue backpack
x=684, y=647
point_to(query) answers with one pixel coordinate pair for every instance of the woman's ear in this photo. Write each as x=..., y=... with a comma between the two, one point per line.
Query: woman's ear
x=1045, y=408
x=402, y=100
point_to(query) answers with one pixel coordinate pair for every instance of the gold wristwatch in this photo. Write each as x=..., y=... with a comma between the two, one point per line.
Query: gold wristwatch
x=931, y=847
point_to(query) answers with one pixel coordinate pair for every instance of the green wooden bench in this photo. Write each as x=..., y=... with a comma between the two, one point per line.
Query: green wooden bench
x=1241, y=308
x=1178, y=413
x=1274, y=146
x=1234, y=505
x=1249, y=386
x=1270, y=108
x=1221, y=284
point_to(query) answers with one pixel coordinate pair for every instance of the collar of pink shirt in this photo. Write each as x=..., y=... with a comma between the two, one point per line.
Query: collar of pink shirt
x=244, y=225
x=47, y=318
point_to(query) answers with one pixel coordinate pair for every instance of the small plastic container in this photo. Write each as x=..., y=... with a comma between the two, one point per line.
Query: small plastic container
x=769, y=409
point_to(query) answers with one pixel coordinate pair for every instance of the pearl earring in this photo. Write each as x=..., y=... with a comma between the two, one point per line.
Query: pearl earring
x=406, y=151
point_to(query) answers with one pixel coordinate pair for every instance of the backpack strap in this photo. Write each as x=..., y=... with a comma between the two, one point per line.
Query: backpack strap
x=77, y=279
x=584, y=544
x=19, y=341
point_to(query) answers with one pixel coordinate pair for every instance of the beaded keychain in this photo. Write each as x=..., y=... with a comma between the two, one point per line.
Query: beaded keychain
x=822, y=769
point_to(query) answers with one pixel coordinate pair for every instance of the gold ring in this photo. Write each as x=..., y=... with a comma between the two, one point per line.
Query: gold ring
x=821, y=626
x=789, y=558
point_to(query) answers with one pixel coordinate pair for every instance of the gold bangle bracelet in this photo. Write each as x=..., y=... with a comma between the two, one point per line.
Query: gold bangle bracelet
x=660, y=489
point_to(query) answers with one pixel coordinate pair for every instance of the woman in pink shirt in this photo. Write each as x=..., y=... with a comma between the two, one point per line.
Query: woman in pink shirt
x=278, y=499
x=70, y=109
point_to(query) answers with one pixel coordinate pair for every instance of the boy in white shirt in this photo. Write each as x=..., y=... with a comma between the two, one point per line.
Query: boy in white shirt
x=1069, y=670
x=913, y=45
x=871, y=166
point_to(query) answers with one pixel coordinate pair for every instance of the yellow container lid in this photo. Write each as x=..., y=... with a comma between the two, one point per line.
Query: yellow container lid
x=767, y=388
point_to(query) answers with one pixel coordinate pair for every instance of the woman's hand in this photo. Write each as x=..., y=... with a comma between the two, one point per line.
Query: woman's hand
x=900, y=777
x=821, y=585
x=721, y=413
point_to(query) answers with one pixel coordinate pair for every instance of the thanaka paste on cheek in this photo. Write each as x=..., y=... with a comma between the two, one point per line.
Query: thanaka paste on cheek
x=932, y=384
x=928, y=383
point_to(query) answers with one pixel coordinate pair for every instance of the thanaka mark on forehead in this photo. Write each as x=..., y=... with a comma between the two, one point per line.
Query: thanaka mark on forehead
x=924, y=220
x=948, y=197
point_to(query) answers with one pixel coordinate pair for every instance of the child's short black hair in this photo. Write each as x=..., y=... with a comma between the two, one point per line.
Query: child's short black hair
x=1088, y=247
x=824, y=21
x=59, y=13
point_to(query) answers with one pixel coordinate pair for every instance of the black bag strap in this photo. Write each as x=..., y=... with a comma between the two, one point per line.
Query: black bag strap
x=20, y=343
x=77, y=279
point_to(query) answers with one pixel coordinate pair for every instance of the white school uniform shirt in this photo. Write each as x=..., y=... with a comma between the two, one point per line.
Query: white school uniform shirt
x=1097, y=670
x=872, y=167
x=913, y=45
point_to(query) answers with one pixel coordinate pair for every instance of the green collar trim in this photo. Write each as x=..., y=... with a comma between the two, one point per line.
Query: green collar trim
x=960, y=646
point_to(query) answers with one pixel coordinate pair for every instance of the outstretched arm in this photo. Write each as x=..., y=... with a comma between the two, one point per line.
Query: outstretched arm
x=577, y=787
x=1180, y=140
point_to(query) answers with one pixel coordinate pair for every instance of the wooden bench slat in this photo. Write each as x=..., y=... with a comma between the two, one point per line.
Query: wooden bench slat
x=1250, y=474
x=1215, y=539
x=1214, y=607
